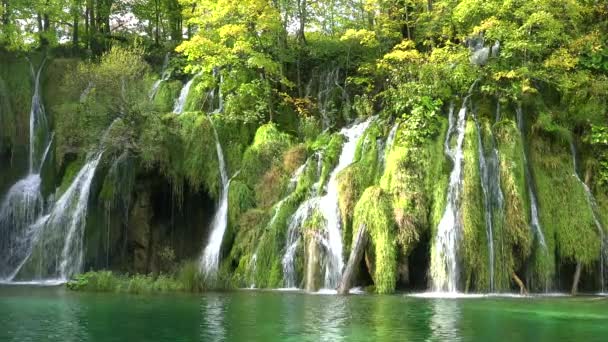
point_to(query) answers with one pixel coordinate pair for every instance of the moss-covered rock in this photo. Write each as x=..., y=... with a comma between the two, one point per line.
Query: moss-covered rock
x=565, y=214
x=354, y=179
x=513, y=239
x=374, y=211
x=168, y=91
x=475, y=255
x=416, y=178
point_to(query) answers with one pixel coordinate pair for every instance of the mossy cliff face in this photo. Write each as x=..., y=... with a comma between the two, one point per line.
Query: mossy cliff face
x=565, y=213
x=156, y=189
x=374, y=212
x=474, y=257
x=16, y=89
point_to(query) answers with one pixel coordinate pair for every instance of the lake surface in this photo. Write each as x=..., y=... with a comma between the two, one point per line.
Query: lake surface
x=54, y=314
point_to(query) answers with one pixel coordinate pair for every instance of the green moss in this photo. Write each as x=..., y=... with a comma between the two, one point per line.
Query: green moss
x=475, y=254
x=267, y=150
x=16, y=95
x=354, y=179
x=513, y=237
x=565, y=214
x=374, y=211
x=168, y=91
x=248, y=232
x=70, y=173
x=330, y=147
x=417, y=180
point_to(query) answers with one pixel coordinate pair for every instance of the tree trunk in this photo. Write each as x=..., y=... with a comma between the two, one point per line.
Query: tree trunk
x=302, y=14
x=75, y=28
x=522, y=287
x=407, y=22
x=356, y=254
x=577, y=278
x=157, y=22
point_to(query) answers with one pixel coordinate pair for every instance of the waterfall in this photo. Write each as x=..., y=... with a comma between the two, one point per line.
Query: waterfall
x=328, y=205
x=164, y=76
x=38, y=122
x=390, y=140
x=210, y=259
x=220, y=106
x=445, y=273
x=595, y=211
x=60, y=233
x=293, y=240
x=20, y=208
x=328, y=82
x=534, y=218
x=180, y=103
x=493, y=199
x=53, y=244
x=296, y=220
x=23, y=203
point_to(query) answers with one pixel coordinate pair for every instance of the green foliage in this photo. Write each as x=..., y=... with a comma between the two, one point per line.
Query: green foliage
x=375, y=213
x=187, y=279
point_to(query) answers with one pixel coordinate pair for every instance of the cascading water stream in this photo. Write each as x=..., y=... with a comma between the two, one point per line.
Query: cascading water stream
x=23, y=203
x=180, y=103
x=54, y=248
x=390, y=140
x=328, y=205
x=444, y=261
x=61, y=232
x=534, y=218
x=210, y=259
x=39, y=134
x=293, y=240
x=489, y=170
x=295, y=222
x=164, y=76
x=595, y=212
x=444, y=256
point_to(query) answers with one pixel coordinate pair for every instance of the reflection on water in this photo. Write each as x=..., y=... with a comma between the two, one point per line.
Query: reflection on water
x=62, y=321
x=331, y=319
x=212, y=325
x=54, y=314
x=444, y=320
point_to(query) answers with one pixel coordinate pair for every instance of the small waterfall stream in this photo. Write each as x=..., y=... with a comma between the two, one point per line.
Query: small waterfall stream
x=23, y=203
x=39, y=130
x=164, y=76
x=534, y=218
x=444, y=261
x=595, y=211
x=210, y=259
x=293, y=241
x=390, y=140
x=328, y=205
x=293, y=238
x=180, y=103
x=493, y=198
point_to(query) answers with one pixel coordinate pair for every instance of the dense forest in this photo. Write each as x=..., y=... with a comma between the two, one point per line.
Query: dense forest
x=397, y=145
